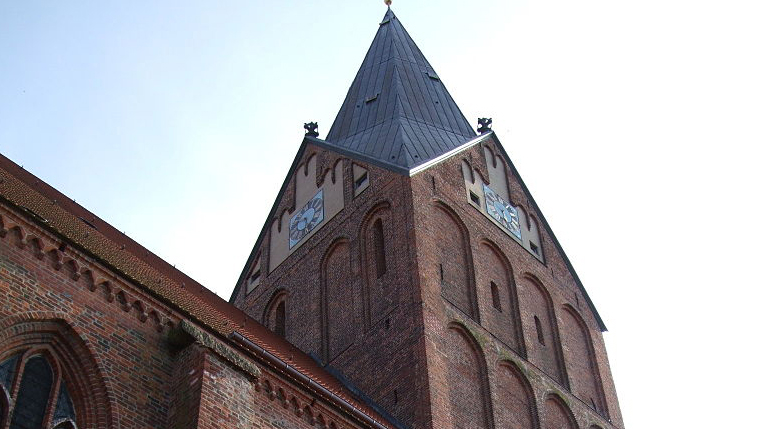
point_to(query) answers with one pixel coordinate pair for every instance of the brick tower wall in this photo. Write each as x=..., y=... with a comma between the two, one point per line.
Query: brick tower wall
x=519, y=372
x=349, y=309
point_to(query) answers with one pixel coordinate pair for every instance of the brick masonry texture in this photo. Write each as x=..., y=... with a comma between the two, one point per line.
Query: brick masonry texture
x=425, y=340
x=124, y=368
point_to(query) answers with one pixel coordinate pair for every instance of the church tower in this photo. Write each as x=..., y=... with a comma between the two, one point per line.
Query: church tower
x=406, y=255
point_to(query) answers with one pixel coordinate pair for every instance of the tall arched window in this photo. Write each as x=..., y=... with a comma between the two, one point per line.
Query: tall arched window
x=275, y=313
x=495, y=296
x=280, y=319
x=379, y=248
x=35, y=393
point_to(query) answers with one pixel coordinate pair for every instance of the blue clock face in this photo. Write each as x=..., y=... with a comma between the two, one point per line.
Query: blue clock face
x=504, y=213
x=305, y=220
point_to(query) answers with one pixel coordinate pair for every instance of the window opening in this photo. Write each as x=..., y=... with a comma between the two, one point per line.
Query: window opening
x=64, y=407
x=379, y=248
x=7, y=371
x=441, y=273
x=361, y=180
x=474, y=198
x=280, y=319
x=538, y=325
x=495, y=296
x=576, y=299
x=32, y=398
x=534, y=248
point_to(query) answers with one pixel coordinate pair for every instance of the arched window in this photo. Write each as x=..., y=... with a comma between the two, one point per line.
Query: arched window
x=495, y=297
x=37, y=392
x=379, y=248
x=274, y=316
x=280, y=319
x=540, y=335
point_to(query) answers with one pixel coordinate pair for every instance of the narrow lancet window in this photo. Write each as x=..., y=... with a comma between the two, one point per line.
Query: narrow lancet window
x=495, y=296
x=540, y=335
x=280, y=319
x=379, y=248
x=34, y=392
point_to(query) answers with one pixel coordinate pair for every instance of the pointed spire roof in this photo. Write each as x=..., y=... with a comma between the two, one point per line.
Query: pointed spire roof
x=397, y=110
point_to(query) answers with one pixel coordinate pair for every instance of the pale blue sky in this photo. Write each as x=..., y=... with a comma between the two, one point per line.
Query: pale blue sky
x=636, y=124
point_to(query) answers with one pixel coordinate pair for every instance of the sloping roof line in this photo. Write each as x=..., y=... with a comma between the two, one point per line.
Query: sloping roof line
x=544, y=221
x=397, y=169
x=94, y=237
x=397, y=110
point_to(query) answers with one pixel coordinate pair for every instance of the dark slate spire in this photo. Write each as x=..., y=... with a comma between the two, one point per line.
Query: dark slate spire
x=397, y=111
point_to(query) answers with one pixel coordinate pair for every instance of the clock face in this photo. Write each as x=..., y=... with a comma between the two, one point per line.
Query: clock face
x=305, y=220
x=501, y=211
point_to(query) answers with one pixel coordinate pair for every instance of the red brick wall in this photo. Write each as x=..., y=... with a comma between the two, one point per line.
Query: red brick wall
x=466, y=378
x=187, y=380
x=429, y=221
x=126, y=354
x=504, y=323
x=373, y=323
x=514, y=401
x=544, y=354
x=342, y=301
x=112, y=343
x=580, y=359
x=558, y=415
x=452, y=259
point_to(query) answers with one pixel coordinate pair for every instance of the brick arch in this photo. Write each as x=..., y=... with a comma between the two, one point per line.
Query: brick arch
x=557, y=414
x=496, y=268
x=270, y=316
x=584, y=375
x=469, y=395
x=454, y=259
x=337, y=300
x=72, y=354
x=516, y=406
x=538, y=308
x=376, y=302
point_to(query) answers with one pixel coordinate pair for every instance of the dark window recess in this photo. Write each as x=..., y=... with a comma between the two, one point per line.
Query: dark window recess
x=534, y=248
x=495, y=296
x=64, y=408
x=254, y=277
x=474, y=198
x=576, y=299
x=361, y=180
x=396, y=396
x=379, y=248
x=32, y=399
x=7, y=371
x=441, y=273
x=31, y=405
x=538, y=326
x=592, y=402
x=280, y=319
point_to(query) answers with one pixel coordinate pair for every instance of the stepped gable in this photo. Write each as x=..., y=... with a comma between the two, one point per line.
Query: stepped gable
x=79, y=227
x=397, y=111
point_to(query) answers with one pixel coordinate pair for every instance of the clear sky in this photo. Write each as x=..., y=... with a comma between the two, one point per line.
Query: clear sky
x=635, y=124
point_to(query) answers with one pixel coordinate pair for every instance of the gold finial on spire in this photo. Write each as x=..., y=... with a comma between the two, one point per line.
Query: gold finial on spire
x=388, y=2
